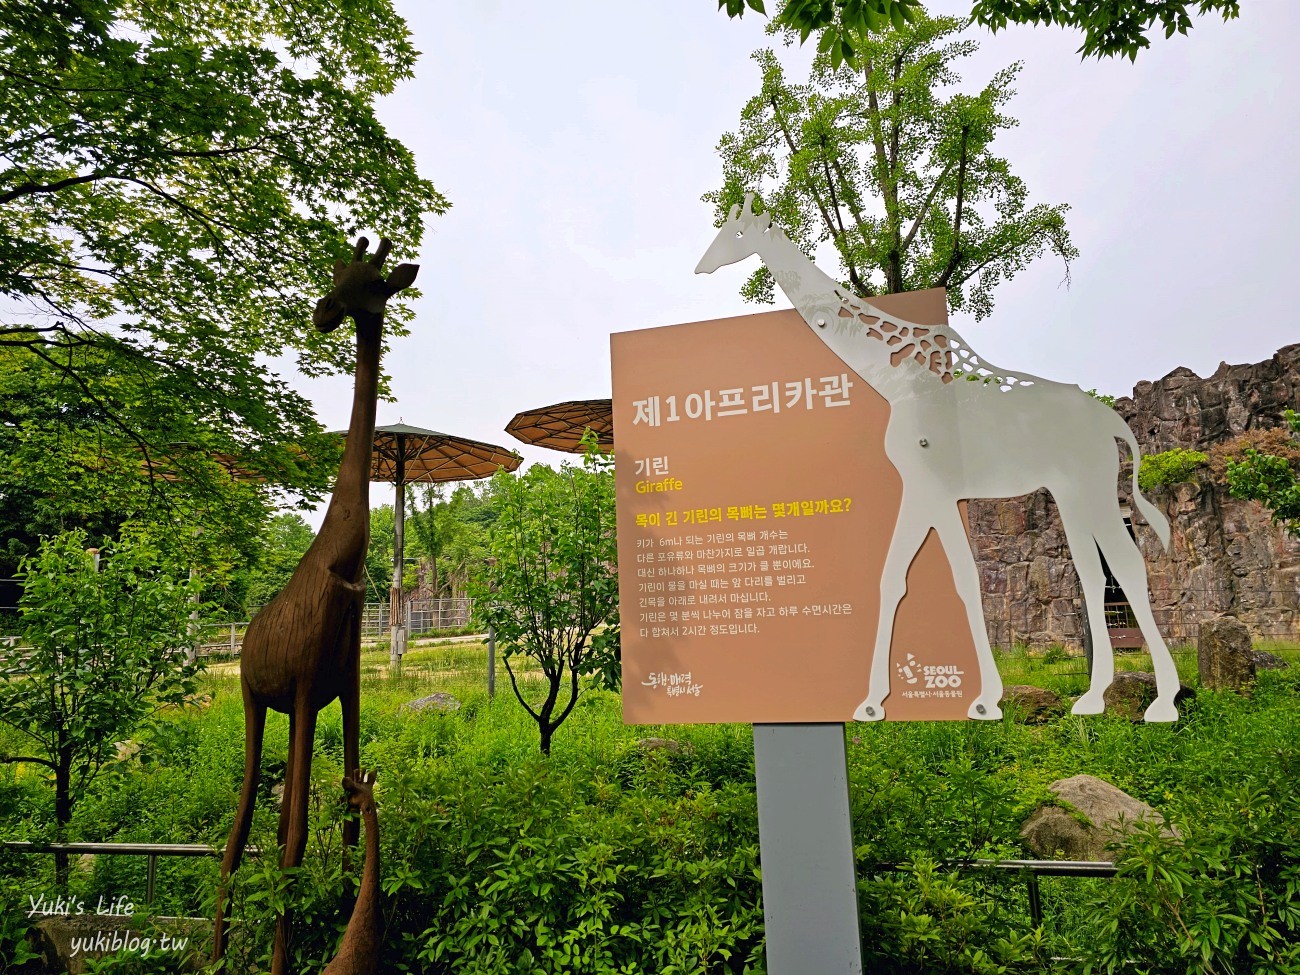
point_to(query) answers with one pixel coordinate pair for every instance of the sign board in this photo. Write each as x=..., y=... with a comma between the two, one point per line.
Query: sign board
x=755, y=509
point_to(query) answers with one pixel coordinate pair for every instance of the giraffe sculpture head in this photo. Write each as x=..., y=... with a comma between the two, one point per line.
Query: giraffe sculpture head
x=360, y=289
x=740, y=236
x=359, y=787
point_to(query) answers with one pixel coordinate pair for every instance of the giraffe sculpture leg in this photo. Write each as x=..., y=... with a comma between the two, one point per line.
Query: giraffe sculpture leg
x=350, y=703
x=909, y=533
x=1126, y=562
x=956, y=544
x=254, y=732
x=293, y=814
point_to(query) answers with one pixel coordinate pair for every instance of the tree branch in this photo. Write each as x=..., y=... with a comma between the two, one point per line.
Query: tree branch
x=955, y=257
x=925, y=207
x=789, y=141
x=14, y=759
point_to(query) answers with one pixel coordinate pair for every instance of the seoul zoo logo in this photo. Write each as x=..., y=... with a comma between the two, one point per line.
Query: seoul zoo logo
x=930, y=680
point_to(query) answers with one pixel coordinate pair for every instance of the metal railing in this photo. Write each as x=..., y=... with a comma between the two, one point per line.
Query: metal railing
x=1030, y=869
x=151, y=850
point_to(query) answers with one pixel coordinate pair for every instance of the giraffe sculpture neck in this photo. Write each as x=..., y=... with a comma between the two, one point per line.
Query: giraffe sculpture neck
x=345, y=529
x=359, y=948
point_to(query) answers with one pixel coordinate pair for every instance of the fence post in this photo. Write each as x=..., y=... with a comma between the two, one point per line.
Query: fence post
x=232, y=639
x=492, y=663
x=151, y=875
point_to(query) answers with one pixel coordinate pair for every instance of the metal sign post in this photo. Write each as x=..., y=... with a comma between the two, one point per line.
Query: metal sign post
x=810, y=891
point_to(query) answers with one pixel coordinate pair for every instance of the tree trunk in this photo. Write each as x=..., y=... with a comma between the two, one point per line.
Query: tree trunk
x=62, y=813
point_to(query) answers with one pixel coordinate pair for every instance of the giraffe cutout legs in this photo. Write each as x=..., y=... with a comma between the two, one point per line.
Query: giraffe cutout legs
x=909, y=534
x=1126, y=562
x=1092, y=581
x=965, y=575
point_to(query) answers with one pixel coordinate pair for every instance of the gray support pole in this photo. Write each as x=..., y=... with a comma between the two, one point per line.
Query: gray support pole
x=396, y=618
x=492, y=663
x=805, y=836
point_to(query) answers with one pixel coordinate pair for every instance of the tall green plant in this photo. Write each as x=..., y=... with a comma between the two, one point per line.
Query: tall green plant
x=106, y=645
x=1270, y=480
x=551, y=578
x=893, y=168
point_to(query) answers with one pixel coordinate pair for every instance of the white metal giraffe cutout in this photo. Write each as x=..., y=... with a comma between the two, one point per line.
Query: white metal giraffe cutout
x=960, y=429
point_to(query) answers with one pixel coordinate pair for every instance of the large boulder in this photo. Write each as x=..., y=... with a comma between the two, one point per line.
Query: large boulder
x=67, y=943
x=1132, y=692
x=1224, y=657
x=1268, y=661
x=1032, y=705
x=1098, y=816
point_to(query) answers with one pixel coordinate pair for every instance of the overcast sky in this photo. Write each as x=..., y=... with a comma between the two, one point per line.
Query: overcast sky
x=575, y=139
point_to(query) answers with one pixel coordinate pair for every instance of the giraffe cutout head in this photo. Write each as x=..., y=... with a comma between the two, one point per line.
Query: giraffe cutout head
x=739, y=237
x=360, y=289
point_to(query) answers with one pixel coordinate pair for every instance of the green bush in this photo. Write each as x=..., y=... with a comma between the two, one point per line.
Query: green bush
x=1169, y=467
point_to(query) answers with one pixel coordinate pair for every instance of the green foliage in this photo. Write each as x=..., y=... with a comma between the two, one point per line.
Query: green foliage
x=175, y=181
x=105, y=649
x=1175, y=466
x=551, y=578
x=932, y=920
x=1106, y=398
x=1108, y=28
x=1270, y=480
x=283, y=544
x=452, y=529
x=1118, y=27
x=893, y=167
x=1224, y=897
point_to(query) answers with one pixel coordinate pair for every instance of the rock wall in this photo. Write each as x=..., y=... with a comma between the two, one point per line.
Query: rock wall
x=1224, y=555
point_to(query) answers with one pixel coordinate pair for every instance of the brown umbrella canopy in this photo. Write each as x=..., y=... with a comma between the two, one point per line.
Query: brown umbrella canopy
x=408, y=454
x=561, y=426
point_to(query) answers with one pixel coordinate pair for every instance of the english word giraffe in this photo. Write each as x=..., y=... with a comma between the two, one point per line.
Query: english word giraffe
x=960, y=429
x=303, y=649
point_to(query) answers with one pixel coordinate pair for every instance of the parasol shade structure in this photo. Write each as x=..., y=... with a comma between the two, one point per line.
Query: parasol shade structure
x=561, y=426
x=405, y=455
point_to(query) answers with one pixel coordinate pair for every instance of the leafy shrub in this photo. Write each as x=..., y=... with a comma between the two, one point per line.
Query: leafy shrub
x=1169, y=467
x=1223, y=897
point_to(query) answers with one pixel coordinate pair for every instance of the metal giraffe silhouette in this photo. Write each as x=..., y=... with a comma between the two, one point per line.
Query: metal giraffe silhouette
x=303, y=649
x=961, y=429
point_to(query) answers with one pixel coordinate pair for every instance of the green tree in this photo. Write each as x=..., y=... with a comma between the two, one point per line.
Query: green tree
x=1270, y=479
x=1109, y=27
x=176, y=179
x=285, y=541
x=892, y=168
x=452, y=529
x=551, y=578
x=107, y=644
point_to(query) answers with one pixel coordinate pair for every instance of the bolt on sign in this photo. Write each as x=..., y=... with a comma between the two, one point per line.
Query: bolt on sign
x=756, y=506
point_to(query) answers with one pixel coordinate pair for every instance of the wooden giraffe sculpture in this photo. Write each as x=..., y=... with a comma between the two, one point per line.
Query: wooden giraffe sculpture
x=359, y=951
x=960, y=429
x=303, y=649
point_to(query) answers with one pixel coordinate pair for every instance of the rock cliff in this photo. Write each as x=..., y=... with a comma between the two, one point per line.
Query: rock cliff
x=1224, y=555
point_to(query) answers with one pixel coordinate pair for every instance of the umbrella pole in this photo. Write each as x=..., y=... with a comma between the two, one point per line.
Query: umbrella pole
x=396, y=616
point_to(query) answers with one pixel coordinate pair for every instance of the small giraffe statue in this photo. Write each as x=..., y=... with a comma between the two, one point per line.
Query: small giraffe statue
x=303, y=649
x=360, y=948
x=961, y=429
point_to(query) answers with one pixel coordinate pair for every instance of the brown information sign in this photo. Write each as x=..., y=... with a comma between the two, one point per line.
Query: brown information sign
x=755, y=509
